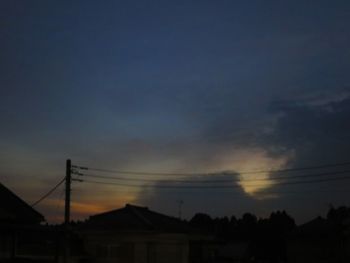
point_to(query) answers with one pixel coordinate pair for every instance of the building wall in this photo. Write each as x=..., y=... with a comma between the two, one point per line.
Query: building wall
x=6, y=246
x=27, y=243
x=315, y=251
x=137, y=248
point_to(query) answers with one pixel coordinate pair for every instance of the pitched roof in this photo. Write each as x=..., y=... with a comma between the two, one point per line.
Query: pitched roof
x=315, y=224
x=14, y=210
x=133, y=218
x=316, y=228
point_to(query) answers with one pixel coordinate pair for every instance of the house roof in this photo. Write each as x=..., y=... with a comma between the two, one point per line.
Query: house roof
x=315, y=224
x=316, y=228
x=133, y=218
x=14, y=210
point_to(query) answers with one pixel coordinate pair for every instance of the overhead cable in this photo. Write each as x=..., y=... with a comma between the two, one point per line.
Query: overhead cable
x=332, y=165
x=205, y=181
x=215, y=186
x=49, y=192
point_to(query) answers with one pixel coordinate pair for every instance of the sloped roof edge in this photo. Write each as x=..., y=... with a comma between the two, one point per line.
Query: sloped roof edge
x=22, y=206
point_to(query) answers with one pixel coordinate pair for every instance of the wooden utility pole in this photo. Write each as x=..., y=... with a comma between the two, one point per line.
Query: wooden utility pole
x=68, y=191
x=67, y=212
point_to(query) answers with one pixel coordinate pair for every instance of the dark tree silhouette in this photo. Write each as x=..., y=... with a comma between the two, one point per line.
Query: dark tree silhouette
x=202, y=221
x=281, y=222
x=338, y=215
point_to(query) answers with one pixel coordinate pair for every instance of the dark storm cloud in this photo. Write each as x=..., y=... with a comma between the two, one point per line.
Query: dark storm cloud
x=315, y=129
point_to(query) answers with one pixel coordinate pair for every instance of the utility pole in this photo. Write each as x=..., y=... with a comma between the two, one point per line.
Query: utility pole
x=68, y=191
x=67, y=211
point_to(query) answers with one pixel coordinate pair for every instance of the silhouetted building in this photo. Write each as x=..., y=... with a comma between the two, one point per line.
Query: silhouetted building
x=13, y=210
x=21, y=235
x=320, y=241
x=136, y=234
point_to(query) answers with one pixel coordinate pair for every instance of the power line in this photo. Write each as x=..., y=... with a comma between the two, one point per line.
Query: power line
x=205, y=173
x=216, y=186
x=329, y=189
x=49, y=192
x=214, y=181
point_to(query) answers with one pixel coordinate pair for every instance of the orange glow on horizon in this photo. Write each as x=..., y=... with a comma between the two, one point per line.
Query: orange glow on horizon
x=80, y=210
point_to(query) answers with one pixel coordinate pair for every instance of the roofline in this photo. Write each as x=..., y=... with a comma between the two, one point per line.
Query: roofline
x=42, y=218
x=115, y=210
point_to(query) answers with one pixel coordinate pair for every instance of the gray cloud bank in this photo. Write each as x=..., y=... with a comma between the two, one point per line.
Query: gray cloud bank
x=313, y=130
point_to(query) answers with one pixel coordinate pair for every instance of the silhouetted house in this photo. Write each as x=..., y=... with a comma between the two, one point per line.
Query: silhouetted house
x=319, y=241
x=204, y=245
x=234, y=251
x=13, y=210
x=136, y=234
x=21, y=235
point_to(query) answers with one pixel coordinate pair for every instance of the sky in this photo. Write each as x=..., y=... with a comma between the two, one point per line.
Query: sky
x=209, y=89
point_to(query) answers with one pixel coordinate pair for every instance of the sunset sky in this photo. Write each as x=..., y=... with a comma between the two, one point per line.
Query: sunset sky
x=211, y=89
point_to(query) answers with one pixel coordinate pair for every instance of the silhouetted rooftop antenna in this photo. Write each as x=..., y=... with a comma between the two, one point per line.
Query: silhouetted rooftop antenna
x=180, y=203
